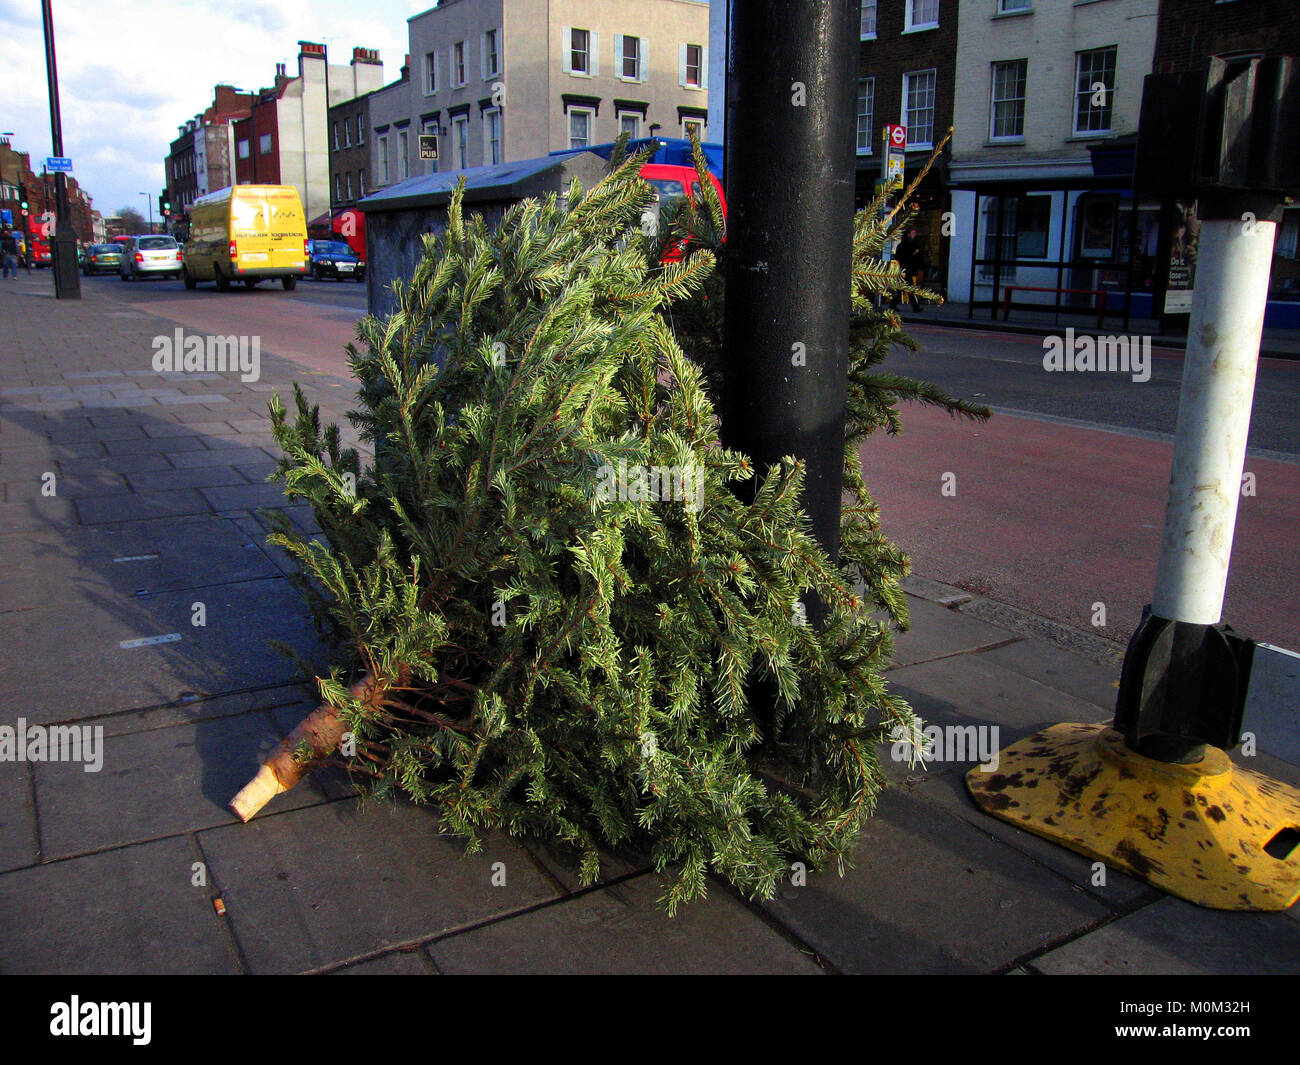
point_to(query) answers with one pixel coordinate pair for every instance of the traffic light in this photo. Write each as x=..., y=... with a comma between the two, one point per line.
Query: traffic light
x=22, y=197
x=165, y=205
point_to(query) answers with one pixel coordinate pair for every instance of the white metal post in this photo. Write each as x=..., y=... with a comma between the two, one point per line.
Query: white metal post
x=1227, y=322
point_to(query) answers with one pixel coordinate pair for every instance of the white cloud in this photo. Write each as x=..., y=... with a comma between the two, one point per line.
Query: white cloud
x=132, y=71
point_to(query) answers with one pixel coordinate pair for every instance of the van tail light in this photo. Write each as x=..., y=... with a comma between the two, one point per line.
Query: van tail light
x=234, y=251
x=139, y=258
x=306, y=249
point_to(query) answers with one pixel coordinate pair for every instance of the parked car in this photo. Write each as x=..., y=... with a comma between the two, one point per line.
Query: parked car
x=102, y=259
x=333, y=258
x=156, y=254
x=247, y=233
x=675, y=183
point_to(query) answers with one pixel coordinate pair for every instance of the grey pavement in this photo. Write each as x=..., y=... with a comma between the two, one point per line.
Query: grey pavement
x=137, y=594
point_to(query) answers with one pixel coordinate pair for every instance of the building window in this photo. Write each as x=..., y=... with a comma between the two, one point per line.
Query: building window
x=1094, y=92
x=338, y=187
x=458, y=76
x=921, y=15
x=264, y=144
x=460, y=136
x=1008, y=108
x=336, y=136
x=868, y=31
x=629, y=122
x=918, y=108
x=693, y=127
x=430, y=129
x=491, y=66
x=361, y=128
x=630, y=54
x=348, y=185
x=1010, y=7
x=347, y=133
x=995, y=242
x=361, y=183
x=403, y=155
x=866, y=113
x=383, y=159
x=492, y=136
x=1033, y=219
x=692, y=66
x=579, y=52
x=430, y=73
x=579, y=128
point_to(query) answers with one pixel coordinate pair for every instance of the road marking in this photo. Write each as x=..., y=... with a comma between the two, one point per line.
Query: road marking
x=135, y=558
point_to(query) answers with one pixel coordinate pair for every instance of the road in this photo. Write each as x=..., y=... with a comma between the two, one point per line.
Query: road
x=1059, y=499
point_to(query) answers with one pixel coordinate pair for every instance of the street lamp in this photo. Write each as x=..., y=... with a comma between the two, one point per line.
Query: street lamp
x=149, y=203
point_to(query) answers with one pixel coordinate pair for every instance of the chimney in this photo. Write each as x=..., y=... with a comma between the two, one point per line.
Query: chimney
x=406, y=67
x=365, y=55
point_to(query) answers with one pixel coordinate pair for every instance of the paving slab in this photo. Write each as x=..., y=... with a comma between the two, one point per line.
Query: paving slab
x=229, y=653
x=125, y=559
x=133, y=910
x=17, y=816
x=394, y=963
x=620, y=929
x=245, y=496
x=313, y=888
x=141, y=506
x=1173, y=937
x=937, y=631
x=1057, y=668
x=162, y=782
x=928, y=894
x=947, y=791
x=217, y=456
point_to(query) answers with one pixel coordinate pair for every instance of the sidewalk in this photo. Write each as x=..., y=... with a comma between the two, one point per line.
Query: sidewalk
x=153, y=527
x=1275, y=344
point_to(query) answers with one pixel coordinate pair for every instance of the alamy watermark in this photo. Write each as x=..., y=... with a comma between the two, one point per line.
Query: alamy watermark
x=53, y=743
x=208, y=354
x=77, y=1018
x=644, y=484
x=946, y=743
x=1102, y=354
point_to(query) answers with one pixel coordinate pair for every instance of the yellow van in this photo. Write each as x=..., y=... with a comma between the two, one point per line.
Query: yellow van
x=247, y=233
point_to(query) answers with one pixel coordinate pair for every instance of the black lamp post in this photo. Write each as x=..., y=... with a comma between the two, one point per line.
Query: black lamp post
x=63, y=247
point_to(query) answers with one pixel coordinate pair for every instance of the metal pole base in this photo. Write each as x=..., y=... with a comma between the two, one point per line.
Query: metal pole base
x=1211, y=833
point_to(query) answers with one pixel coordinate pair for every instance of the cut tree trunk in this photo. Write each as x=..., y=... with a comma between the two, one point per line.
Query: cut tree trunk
x=321, y=731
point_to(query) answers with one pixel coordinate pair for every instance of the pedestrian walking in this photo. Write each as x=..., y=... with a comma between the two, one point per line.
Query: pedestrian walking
x=9, y=256
x=910, y=255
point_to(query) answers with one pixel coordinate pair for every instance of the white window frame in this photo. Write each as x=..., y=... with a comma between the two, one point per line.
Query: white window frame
x=495, y=55
x=431, y=73
x=592, y=68
x=430, y=129
x=459, y=66
x=347, y=131
x=381, y=147
x=910, y=25
x=683, y=51
x=335, y=126
x=1011, y=138
x=914, y=143
x=635, y=116
x=867, y=146
x=864, y=34
x=488, y=116
x=361, y=127
x=338, y=188
x=403, y=154
x=1082, y=94
x=591, y=125
x=264, y=144
x=348, y=185
x=620, y=58
x=460, y=141
x=361, y=183
x=692, y=120
x=1021, y=7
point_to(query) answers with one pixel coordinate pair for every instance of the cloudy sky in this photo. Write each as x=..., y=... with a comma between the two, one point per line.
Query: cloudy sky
x=131, y=71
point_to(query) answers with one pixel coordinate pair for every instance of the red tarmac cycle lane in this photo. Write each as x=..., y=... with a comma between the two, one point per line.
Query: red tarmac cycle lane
x=1053, y=518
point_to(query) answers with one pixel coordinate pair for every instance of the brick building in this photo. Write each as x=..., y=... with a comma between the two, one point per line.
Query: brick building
x=200, y=159
x=16, y=173
x=907, y=76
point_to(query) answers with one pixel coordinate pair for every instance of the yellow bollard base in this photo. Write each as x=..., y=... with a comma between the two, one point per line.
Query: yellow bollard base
x=1196, y=831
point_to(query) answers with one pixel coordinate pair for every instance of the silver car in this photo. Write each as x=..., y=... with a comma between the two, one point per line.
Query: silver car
x=156, y=254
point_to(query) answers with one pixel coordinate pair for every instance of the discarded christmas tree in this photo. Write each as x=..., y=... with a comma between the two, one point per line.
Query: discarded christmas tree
x=550, y=606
